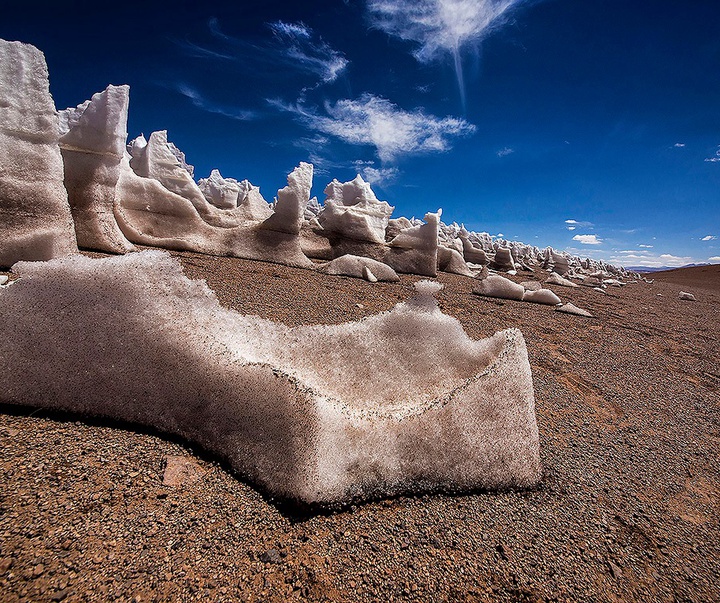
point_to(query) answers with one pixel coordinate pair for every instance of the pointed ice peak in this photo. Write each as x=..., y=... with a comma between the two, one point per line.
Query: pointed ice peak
x=349, y=193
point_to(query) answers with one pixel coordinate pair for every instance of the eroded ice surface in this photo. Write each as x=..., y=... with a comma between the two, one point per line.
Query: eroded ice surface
x=400, y=401
x=35, y=219
x=150, y=214
x=351, y=210
x=92, y=142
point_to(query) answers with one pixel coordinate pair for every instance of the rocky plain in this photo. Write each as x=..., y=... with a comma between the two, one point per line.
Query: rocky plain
x=627, y=509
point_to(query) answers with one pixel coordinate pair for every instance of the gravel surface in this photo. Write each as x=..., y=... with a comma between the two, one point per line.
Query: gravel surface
x=628, y=509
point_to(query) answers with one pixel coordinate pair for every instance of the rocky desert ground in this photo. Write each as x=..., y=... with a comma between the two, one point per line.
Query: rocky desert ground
x=628, y=508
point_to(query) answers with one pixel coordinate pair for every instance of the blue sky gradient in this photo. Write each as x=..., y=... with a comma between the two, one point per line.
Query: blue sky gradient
x=513, y=116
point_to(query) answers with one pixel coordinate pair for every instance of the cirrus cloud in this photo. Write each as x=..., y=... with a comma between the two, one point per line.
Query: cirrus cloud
x=440, y=27
x=375, y=121
x=299, y=44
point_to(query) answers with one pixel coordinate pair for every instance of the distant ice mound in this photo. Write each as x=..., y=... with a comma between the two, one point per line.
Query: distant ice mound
x=401, y=401
x=358, y=267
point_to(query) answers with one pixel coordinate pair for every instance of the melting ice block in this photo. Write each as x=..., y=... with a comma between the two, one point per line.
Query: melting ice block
x=92, y=142
x=35, y=219
x=401, y=401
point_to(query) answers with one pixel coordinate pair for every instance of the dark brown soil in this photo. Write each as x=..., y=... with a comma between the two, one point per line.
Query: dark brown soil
x=700, y=277
x=628, y=407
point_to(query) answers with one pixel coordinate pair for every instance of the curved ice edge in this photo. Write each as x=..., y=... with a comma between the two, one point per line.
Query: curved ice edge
x=295, y=441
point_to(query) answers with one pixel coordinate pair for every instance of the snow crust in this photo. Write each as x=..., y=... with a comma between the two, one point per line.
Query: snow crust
x=35, y=219
x=401, y=401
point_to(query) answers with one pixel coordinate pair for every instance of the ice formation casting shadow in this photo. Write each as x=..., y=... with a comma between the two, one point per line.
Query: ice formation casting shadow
x=401, y=401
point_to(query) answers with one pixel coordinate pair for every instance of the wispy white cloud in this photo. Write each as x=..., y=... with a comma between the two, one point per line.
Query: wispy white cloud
x=587, y=239
x=715, y=258
x=679, y=145
x=574, y=224
x=715, y=158
x=645, y=259
x=206, y=105
x=709, y=238
x=505, y=152
x=300, y=45
x=294, y=47
x=646, y=246
x=440, y=27
x=380, y=176
x=371, y=120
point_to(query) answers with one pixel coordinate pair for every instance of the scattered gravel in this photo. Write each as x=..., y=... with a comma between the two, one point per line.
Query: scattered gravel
x=629, y=415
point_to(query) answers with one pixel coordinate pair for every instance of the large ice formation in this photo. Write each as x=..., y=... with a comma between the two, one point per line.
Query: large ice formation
x=92, y=142
x=401, y=401
x=35, y=219
x=503, y=260
x=159, y=204
x=415, y=250
x=351, y=210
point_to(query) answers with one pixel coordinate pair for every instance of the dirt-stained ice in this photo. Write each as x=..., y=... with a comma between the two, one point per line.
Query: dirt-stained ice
x=401, y=401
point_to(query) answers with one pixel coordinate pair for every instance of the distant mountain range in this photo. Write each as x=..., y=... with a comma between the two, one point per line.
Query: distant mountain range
x=642, y=269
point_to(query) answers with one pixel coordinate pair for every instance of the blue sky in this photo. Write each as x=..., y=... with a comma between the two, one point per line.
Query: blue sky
x=588, y=126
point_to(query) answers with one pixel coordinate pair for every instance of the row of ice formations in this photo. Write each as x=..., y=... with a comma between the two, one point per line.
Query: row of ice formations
x=400, y=401
x=70, y=179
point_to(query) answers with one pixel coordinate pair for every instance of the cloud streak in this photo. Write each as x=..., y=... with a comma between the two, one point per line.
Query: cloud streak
x=202, y=103
x=646, y=259
x=440, y=27
x=715, y=158
x=573, y=224
x=311, y=53
x=375, y=121
x=294, y=46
